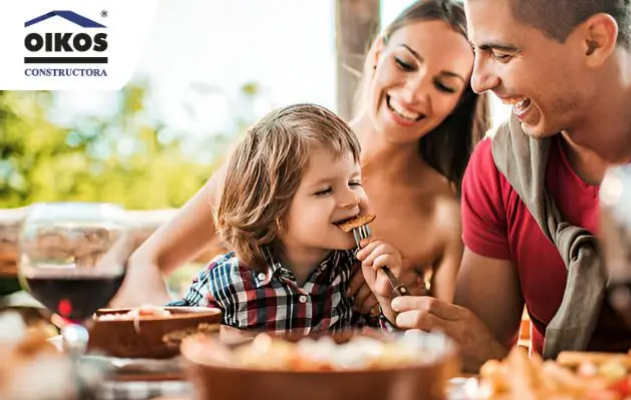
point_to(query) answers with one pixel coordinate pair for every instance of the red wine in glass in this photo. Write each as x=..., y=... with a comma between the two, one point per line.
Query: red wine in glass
x=73, y=257
x=75, y=295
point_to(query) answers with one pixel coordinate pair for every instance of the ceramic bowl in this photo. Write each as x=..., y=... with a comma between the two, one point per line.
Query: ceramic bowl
x=420, y=380
x=149, y=336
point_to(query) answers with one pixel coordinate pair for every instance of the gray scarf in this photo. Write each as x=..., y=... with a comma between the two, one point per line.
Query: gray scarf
x=523, y=162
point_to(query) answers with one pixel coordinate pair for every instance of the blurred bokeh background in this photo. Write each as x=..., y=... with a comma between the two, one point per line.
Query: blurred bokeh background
x=208, y=70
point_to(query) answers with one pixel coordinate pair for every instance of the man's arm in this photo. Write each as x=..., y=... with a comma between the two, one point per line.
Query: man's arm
x=475, y=341
x=485, y=318
x=490, y=289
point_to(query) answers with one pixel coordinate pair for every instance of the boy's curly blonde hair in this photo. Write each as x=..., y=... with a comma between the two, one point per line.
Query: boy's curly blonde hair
x=265, y=171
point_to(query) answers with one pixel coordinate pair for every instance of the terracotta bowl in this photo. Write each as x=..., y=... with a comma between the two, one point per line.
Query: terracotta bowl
x=426, y=381
x=148, y=336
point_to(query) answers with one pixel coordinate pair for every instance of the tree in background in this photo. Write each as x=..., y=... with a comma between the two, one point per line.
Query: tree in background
x=130, y=159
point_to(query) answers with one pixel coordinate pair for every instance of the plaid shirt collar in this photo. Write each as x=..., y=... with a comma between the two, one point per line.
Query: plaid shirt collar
x=275, y=268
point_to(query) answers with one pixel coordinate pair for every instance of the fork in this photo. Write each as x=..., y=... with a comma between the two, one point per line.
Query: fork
x=363, y=232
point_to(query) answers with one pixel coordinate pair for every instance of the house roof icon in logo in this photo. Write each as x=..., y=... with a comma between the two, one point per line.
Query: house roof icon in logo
x=67, y=15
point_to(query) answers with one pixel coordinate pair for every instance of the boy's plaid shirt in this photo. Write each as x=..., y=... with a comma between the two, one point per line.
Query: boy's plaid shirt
x=272, y=301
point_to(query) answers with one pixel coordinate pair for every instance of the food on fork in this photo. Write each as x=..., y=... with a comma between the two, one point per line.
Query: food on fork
x=359, y=226
x=349, y=224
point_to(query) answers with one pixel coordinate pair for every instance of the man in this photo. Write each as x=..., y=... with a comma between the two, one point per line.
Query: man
x=530, y=195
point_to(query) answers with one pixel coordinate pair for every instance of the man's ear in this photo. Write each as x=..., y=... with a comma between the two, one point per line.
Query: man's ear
x=599, y=36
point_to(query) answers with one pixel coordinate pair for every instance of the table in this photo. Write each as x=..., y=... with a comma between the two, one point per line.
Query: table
x=143, y=390
x=182, y=390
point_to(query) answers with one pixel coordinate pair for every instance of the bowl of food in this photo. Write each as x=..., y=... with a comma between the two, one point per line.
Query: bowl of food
x=148, y=332
x=572, y=376
x=403, y=366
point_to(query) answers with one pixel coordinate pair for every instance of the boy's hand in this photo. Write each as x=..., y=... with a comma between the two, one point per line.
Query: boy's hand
x=365, y=301
x=374, y=256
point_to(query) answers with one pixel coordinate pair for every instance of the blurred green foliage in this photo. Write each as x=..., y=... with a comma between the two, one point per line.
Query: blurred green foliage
x=128, y=158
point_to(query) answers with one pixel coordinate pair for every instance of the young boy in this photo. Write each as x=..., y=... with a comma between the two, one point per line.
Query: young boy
x=290, y=182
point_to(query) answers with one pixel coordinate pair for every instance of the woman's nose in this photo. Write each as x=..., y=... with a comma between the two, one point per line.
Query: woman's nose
x=417, y=91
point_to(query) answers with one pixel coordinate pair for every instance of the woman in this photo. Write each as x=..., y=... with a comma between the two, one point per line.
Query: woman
x=417, y=123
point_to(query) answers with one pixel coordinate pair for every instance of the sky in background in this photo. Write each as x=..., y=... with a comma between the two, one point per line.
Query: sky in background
x=287, y=46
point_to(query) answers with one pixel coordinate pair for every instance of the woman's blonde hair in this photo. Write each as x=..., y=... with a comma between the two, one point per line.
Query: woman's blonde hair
x=265, y=171
x=448, y=147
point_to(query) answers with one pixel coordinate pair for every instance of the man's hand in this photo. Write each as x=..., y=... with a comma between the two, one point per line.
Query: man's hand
x=477, y=344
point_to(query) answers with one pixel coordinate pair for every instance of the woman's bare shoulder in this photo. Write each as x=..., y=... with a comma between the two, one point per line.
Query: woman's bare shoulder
x=435, y=187
x=448, y=211
x=440, y=193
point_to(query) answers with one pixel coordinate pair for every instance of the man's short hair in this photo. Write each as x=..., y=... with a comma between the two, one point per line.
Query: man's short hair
x=557, y=18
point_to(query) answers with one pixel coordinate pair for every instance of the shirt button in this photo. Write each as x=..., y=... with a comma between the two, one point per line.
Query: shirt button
x=261, y=276
x=302, y=299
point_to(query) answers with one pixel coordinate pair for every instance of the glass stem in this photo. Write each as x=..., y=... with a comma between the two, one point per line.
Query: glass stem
x=75, y=339
x=75, y=343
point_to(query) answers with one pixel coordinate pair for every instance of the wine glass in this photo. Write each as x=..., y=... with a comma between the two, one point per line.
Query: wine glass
x=72, y=259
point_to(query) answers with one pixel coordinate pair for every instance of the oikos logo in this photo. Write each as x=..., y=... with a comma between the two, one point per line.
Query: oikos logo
x=68, y=47
x=73, y=45
x=61, y=42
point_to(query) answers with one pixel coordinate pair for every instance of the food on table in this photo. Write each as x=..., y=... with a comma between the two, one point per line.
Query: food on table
x=175, y=338
x=34, y=318
x=149, y=331
x=323, y=354
x=347, y=364
x=348, y=225
x=574, y=359
x=32, y=368
x=142, y=311
x=45, y=328
x=593, y=376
